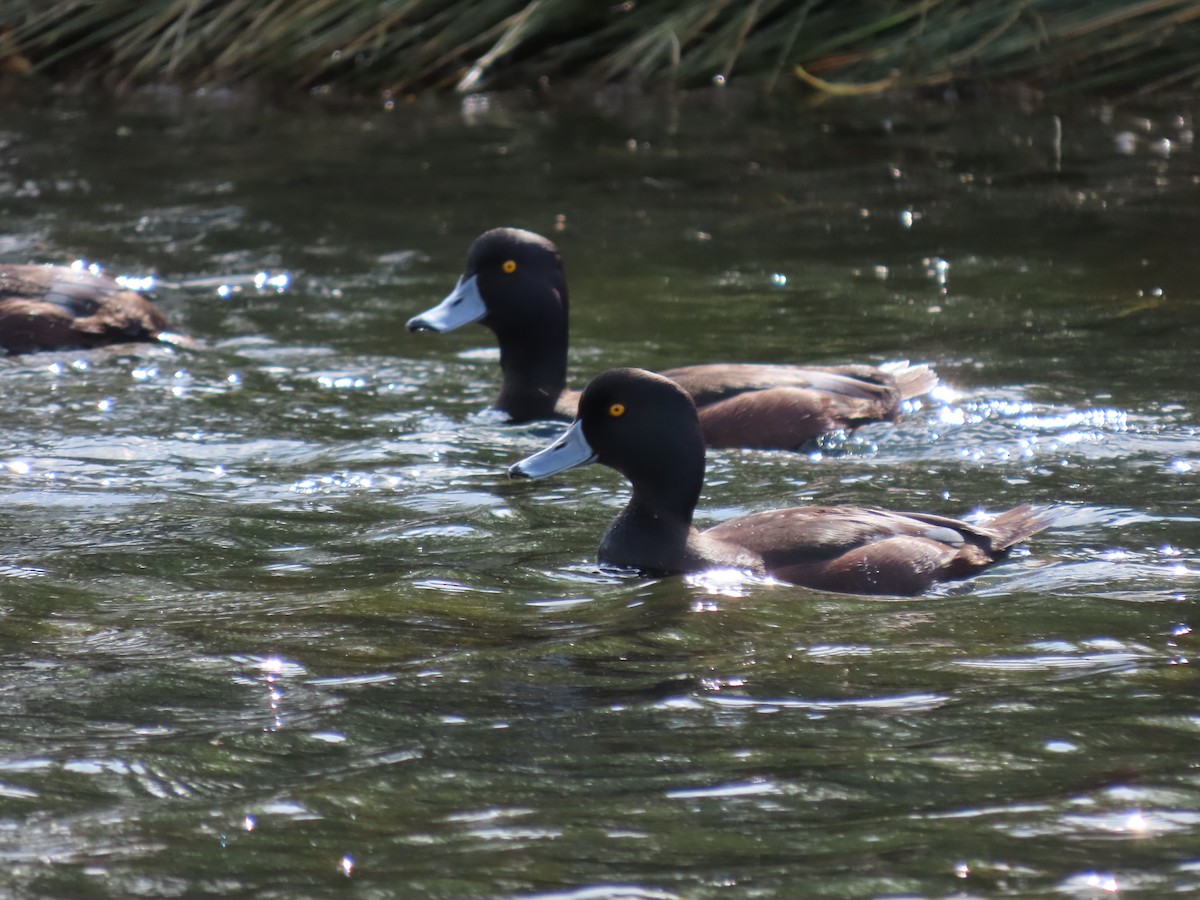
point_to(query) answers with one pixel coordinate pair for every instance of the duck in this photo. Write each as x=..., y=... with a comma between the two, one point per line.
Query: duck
x=55, y=307
x=646, y=427
x=514, y=284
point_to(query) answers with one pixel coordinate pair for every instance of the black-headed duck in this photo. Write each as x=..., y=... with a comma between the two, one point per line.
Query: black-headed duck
x=646, y=427
x=514, y=284
x=48, y=307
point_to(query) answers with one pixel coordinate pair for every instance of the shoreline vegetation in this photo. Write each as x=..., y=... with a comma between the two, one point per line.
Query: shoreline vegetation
x=1114, y=48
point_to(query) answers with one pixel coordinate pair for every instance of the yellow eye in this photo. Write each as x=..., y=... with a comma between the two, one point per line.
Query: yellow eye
x=509, y=266
x=617, y=409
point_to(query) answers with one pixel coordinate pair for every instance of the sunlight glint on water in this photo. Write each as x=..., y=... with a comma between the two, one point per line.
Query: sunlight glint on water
x=276, y=622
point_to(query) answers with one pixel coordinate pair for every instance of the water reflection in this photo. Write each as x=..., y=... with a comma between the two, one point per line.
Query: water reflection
x=276, y=622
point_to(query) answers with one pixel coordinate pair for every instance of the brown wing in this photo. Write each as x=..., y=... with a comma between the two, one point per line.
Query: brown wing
x=786, y=418
x=27, y=325
x=77, y=290
x=784, y=407
x=874, y=551
x=814, y=533
x=719, y=381
x=903, y=566
x=567, y=405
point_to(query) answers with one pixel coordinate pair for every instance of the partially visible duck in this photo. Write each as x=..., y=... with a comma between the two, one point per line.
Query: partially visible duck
x=514, y=284
x=47, y=307
x=646, y=427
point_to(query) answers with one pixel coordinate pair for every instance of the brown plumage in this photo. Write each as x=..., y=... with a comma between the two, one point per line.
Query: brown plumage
x=646, y=427
x=48, y=307
x=870, y=551
x=782, y=407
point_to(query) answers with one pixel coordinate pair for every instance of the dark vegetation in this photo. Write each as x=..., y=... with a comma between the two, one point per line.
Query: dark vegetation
x=397, y=47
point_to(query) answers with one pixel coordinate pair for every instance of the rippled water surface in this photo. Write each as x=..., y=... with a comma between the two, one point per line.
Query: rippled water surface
x=275, y=623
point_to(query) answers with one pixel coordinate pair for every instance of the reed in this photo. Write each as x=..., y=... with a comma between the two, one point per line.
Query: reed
x=399, y=46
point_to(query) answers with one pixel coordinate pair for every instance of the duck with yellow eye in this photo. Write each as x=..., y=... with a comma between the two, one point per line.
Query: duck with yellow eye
x=514, y=284
x=646, y=427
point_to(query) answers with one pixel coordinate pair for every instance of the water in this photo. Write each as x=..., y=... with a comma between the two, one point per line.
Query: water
x=275, y=624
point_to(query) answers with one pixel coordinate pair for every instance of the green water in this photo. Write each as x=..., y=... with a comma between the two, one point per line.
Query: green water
x=274, y=623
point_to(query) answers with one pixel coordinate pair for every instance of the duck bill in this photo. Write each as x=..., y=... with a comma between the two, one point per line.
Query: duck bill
x=463, y=306
x=569, y=451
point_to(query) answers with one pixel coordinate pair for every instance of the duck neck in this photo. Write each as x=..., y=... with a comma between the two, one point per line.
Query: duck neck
x=534, y=371
x=653, y=532
x=533, y=357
